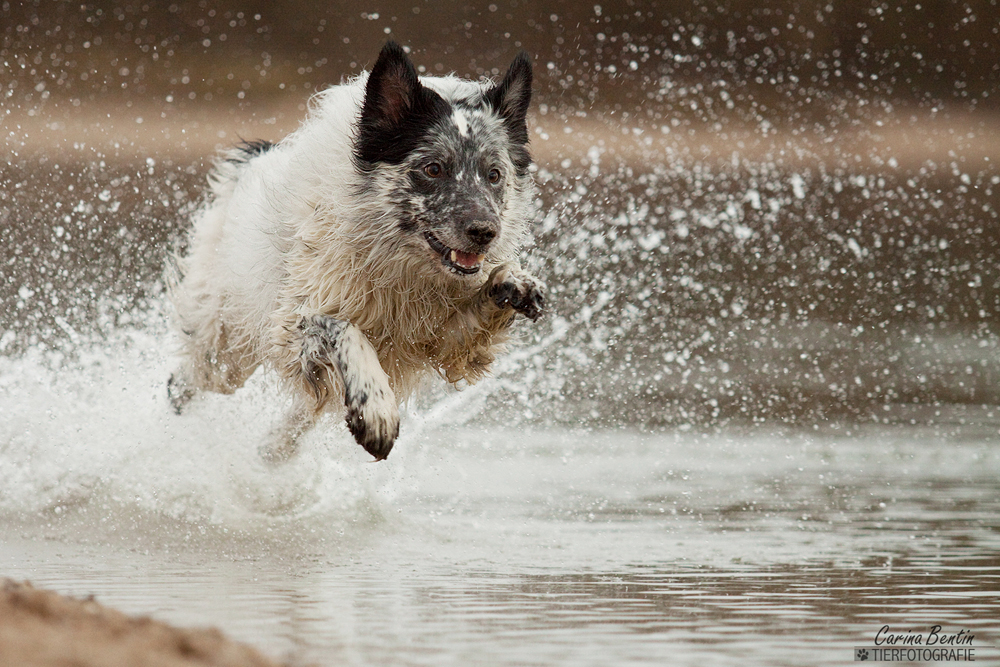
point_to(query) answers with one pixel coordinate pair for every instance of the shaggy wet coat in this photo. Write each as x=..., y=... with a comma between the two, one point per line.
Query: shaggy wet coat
x=372, y=247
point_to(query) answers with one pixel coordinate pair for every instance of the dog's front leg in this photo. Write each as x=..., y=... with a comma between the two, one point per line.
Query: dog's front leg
x=372, y=415
x=478, y=332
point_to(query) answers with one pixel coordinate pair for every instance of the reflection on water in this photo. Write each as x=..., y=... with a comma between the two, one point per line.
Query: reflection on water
x=574, y=548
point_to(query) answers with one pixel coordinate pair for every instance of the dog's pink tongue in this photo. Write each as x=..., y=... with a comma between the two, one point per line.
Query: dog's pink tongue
x=466, y=259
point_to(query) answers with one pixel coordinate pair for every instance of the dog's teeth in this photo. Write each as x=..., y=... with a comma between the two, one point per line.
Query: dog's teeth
x=480, y=258
x=454, y=256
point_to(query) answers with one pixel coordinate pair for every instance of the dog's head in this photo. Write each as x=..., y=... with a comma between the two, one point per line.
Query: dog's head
x=450, y=159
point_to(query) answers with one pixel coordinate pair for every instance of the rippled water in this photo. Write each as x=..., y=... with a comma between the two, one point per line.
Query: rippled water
x=485, y=545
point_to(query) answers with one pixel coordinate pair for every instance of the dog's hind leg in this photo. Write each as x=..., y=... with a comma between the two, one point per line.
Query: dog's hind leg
x=283, y=442
x=336, y=355
x=179, y=391
x=210, y=363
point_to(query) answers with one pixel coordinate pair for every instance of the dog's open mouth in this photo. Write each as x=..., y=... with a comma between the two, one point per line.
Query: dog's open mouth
x=459, y=261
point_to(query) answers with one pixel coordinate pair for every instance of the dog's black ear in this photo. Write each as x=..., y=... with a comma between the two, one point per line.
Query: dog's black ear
x=397, y=109
x=511, y=97
x=392, y=88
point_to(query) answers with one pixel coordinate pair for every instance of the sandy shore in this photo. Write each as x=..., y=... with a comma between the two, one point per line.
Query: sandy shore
x=41, y=628
x=905, y=140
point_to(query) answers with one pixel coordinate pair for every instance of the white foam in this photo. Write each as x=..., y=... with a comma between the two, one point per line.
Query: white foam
x=93, y=430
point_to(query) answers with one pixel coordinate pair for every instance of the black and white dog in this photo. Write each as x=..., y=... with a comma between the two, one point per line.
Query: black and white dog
x=376, y=244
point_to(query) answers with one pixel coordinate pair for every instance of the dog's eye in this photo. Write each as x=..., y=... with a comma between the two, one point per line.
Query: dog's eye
x=494, y=176
x=434, y=170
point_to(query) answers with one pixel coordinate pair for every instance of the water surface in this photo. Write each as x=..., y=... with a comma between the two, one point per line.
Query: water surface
x=485, y=545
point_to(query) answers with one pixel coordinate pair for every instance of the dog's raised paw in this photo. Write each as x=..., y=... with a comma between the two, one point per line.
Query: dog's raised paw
x=373, y=420
x=520, y=291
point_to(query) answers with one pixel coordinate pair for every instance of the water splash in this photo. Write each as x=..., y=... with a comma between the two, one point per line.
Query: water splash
x=88, y=444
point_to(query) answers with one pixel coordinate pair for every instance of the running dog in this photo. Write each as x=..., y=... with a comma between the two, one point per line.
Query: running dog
x=375, y=245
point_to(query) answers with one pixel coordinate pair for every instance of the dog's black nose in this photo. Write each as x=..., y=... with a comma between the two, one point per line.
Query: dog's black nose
x=481, y=233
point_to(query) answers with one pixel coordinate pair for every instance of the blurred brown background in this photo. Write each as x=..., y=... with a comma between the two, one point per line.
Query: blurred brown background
x=909, y=51
x=790, y=63
x=749, y=210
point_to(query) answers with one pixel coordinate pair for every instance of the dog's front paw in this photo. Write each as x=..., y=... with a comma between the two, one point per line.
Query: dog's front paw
x=517, y=289
x=373, y=419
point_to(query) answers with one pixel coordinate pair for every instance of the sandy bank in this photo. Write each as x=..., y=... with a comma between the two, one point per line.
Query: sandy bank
x=907, y=139
x=41, y=629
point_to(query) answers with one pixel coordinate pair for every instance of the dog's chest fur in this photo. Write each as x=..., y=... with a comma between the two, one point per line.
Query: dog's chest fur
x=407, y=311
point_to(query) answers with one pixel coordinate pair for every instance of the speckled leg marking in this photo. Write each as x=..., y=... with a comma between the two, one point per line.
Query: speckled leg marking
x=179, y=392
x=372, y=414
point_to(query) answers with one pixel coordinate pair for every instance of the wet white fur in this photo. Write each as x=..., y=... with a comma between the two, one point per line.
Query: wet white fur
x=297, y=232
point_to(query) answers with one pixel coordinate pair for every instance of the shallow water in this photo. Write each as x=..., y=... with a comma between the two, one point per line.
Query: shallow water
x=479, y=545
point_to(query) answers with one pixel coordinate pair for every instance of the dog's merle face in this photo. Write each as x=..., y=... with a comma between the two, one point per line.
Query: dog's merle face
x=451, y=160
